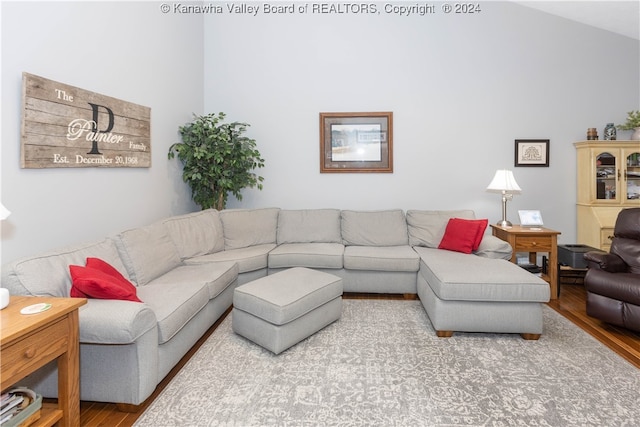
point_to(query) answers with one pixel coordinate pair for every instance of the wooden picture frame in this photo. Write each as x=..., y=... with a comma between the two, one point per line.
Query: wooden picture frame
x=356, y=142
x=532, y=152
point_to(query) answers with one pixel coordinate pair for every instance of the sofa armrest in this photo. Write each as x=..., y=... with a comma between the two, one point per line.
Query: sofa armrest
x=493, y=247
x=105, y=321
x=605, y=261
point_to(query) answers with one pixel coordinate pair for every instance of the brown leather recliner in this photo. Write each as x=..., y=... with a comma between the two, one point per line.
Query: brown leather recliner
x=613, y=279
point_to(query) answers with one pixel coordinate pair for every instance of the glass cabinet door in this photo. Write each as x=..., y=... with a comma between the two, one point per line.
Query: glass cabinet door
x=632, y=176
x=606, y=183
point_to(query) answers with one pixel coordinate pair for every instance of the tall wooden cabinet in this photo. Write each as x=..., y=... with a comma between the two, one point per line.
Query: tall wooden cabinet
x=608, y=180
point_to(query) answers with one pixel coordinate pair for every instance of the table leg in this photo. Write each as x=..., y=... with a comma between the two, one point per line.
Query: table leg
x=553, y=270
x=69, y=376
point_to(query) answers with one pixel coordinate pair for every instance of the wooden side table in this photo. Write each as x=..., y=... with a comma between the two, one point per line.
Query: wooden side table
x=527, y=239
x=30, y=341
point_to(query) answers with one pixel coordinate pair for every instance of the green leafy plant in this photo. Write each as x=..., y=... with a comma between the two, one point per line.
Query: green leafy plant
x=217, y=159
x=633, y=121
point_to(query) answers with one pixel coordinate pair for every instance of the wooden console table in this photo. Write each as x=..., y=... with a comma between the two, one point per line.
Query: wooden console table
x=30, y=341
x=533, y=240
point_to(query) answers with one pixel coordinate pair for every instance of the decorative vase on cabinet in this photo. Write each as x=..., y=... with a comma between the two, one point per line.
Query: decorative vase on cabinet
x=635, y=136
x=610, y=132
x=608, y=180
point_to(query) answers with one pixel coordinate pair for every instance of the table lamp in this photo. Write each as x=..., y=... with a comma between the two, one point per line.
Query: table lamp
x=504, y=183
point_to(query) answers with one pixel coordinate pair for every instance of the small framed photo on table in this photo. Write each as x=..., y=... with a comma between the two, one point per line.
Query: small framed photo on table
x=532, y=152
x=530, y=218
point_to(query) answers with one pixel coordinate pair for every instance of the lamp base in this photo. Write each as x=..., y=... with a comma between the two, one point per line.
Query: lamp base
x=4, y=298
x=504, y=223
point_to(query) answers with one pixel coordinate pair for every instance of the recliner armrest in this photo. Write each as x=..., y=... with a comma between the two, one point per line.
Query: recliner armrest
x=605, y=261
x=620, y=287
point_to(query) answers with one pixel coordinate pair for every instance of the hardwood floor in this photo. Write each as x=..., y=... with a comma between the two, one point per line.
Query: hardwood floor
x=571, y=304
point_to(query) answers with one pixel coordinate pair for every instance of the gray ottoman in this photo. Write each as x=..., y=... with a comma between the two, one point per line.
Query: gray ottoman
x=282, y=309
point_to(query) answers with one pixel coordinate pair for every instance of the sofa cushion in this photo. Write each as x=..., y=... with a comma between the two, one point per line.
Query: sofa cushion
x=455, y=276
x=249, y=259
x=90, y=282
x=426, y=228
x=374, y=228
x=197, y=233
x=312, y=255
x=174, y=304
x=309, y=226
x=463, y=235
x=147, y=252
x=217, y=276
x=249, y=227
x=383, y=258
x=47, y=274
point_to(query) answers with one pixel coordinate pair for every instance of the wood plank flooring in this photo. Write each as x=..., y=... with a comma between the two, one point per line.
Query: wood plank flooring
x=571, y=304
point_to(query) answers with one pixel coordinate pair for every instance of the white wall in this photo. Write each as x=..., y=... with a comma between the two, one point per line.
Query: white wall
x=462, y=89
x=127, y=50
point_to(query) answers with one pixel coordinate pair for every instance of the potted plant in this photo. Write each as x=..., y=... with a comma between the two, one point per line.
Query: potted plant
x=218, y=159
x=632, y=123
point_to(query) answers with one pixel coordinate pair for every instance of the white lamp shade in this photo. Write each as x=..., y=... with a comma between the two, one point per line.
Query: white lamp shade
x=503, y=181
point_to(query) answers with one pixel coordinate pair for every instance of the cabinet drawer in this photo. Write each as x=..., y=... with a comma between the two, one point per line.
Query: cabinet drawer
x=606, y=235
x=533, y=243
x=25, y=355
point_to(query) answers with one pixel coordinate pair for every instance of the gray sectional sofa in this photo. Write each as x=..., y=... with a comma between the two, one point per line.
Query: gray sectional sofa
x=185, y=269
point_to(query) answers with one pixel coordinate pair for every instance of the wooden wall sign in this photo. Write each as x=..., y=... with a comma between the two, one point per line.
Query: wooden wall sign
x=67, y=127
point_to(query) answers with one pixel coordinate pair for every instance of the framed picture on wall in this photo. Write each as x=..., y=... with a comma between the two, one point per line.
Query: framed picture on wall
x=532, y=152
x=356, y=142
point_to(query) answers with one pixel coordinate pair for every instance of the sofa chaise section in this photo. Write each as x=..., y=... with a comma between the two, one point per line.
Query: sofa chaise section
x=468, y=293
x=477, y=292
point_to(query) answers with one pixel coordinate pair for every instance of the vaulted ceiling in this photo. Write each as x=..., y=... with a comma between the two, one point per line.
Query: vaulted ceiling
x=622, y=17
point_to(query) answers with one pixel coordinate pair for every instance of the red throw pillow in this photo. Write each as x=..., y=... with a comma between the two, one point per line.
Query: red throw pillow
x=482, y=225
x=90, y=282
x=107, y=268
x=77, y=293
x=463, y=235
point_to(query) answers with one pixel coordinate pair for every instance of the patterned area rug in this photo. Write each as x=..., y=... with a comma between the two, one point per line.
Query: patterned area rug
x=381, y=364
